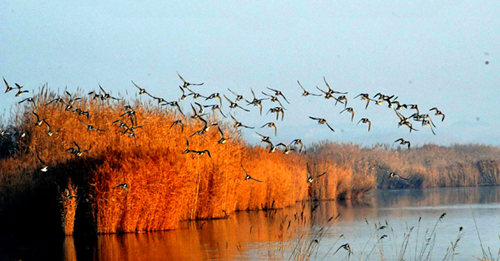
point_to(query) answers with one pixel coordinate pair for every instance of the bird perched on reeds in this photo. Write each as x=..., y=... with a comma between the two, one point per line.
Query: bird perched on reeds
x=349, y=110
x=403, y=142
x=306, y=93
x=322, y=121
x=186, y=84
x=247, y=176
x=366, y=120
x=271, y=125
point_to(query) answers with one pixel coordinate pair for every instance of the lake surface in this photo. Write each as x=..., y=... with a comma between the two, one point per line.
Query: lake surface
x=305, y=231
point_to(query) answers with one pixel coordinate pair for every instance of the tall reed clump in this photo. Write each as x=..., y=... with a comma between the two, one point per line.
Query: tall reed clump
x=341, y=180
x=145, y=182
x=68, y=201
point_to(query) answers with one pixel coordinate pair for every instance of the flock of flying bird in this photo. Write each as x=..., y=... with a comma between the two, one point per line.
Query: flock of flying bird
x=128, y=124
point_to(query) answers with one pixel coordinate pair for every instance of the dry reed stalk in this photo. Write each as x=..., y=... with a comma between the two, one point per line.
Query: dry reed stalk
x=68, y=199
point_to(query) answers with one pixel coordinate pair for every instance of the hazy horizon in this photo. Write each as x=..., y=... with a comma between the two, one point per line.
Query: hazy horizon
x=432, y=54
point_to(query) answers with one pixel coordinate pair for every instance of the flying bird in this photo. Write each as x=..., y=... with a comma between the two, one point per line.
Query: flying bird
x=8, y=88
x=306, y=93
x=322, y=121
x=366, y=120
x=247, y=176
x=403, y=142
x=187, y=84
x=278, y=93
x=271, y=125
x=438, y=113
x=349, y=110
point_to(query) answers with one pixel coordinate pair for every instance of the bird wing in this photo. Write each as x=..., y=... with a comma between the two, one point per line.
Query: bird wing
x=39, y=158
x=256, y=179
x=329, y=126
x=137, y=86
x=182, y=79
x=220, y=131
x=228, y=99
x=76, y=144
x=327, y=85
x=322, y=174
x=301, y=85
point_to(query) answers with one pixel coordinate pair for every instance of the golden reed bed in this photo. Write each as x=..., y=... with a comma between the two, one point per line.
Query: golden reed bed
x=164, y=186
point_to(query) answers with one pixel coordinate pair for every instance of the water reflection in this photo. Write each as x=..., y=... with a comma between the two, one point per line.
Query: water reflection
x=260, y=235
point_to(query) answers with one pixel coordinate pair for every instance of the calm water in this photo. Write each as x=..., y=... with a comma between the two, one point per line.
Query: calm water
x=259, y=235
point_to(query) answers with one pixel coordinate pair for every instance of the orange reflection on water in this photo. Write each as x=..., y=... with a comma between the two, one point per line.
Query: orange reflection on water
x=260, y=235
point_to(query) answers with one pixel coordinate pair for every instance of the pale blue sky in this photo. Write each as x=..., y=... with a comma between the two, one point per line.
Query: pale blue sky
x=428, y=53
